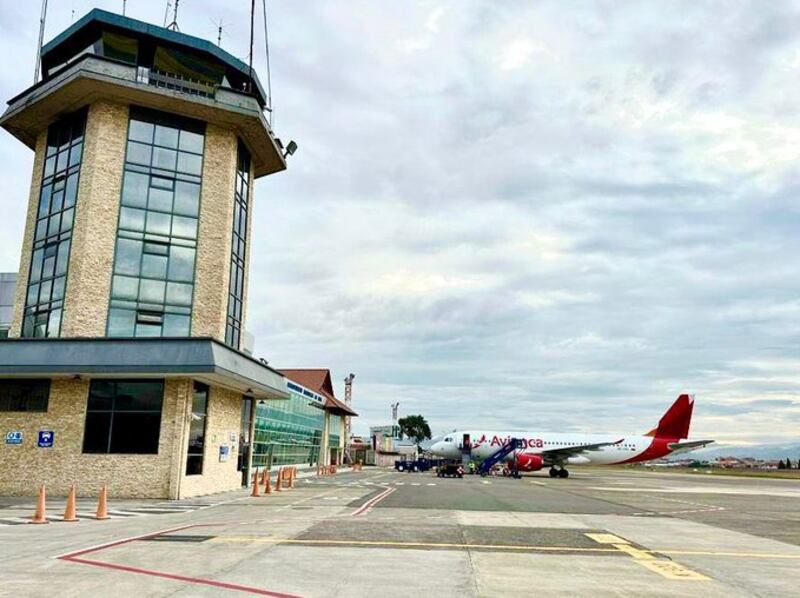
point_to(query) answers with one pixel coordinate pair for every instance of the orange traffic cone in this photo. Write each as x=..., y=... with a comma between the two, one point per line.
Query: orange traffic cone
x=279, y=482
x=69, y=512
x=292, y=475
x=255, y=491
x=102, y=504
x=267, y=485
x=41, y=515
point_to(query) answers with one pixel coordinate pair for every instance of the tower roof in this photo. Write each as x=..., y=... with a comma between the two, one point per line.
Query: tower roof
x=75, y=38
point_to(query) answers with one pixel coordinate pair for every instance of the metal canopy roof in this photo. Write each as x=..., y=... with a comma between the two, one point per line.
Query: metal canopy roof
x=201, y=358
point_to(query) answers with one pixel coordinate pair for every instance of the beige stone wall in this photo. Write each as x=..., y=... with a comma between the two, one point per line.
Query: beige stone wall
x=26, y=466
x=27, y=239
x=96, y=214
x=222, y=428
x=212, y=270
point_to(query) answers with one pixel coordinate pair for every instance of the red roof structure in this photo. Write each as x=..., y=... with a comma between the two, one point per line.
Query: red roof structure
x=319, y=380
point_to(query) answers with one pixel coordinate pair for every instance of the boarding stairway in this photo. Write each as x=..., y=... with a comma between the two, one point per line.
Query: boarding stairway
x=504, y=451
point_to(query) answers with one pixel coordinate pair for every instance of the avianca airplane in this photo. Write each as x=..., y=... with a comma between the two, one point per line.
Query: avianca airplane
x=558, y=450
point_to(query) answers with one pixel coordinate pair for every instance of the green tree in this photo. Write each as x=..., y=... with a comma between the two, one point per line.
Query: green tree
x=788, y=463
x=414, y=426
x=781, y=465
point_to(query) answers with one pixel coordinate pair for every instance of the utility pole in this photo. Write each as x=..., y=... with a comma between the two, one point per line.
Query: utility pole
x=348, y=399
x=41, y=41
x=124, y=6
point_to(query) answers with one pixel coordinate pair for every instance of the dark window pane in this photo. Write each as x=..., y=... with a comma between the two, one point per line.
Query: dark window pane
x=96, y=433
x=24, y=395
x=135, y=433
x=139, y=395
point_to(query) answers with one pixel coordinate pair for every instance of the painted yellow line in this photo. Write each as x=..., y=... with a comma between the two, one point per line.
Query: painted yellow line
x=264, y=539
x=634, y=552
x=649, y=552
x=672, y=570
x=606, y=538
x=748, y=555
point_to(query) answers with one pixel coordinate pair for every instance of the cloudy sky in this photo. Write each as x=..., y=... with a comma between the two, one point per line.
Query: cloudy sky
x=547, y=215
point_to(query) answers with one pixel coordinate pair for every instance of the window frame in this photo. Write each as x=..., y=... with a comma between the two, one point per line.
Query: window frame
x=198, y=388
x=113, y=410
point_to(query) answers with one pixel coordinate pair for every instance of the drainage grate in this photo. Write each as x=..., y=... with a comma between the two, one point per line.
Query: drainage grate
x=179, y=538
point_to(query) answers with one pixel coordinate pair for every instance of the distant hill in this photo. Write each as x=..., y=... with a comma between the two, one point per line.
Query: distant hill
x=757, y=451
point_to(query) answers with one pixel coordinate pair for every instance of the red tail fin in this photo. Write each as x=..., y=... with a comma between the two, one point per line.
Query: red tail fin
x=675, y=422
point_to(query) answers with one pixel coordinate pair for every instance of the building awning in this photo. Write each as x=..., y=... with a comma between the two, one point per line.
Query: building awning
x=203, y=359
x=335, y=406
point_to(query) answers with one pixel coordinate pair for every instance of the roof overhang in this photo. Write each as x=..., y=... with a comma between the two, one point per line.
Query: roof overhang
x=336, y=407
x=92, y=78
x=203, y=359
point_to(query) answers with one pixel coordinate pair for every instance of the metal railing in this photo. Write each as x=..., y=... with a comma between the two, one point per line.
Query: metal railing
x=175, y=82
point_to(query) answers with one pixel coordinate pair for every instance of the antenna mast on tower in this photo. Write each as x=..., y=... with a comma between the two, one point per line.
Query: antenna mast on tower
x=174, y=24
x=348, y=399
x=41, y=41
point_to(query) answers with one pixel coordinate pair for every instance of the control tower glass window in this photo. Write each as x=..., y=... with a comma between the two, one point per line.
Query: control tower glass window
x=233, y=328
x=154, y=265
x=44, y=301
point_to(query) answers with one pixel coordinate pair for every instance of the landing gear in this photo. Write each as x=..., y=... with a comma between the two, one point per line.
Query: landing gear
x=553, y=472
x=558, y=473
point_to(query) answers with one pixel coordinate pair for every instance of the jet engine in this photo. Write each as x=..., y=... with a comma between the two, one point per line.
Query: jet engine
x=528, y=462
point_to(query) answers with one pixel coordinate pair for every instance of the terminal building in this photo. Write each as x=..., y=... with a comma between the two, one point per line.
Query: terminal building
x=126, y=362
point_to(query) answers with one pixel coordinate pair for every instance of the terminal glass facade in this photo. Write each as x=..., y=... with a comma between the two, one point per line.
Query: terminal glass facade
x=154, y=266
x=44, y=301
x=335, y=431
x=290, y=432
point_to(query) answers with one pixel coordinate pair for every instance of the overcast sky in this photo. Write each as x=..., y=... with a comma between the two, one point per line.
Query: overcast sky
x=548, y=215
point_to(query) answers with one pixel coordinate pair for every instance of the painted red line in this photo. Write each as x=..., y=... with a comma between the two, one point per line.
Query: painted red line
x=367, y=506
x=195, y=580
x=99, y=547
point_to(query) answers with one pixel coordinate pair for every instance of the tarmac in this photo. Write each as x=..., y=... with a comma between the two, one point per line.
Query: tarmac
x=379, y=532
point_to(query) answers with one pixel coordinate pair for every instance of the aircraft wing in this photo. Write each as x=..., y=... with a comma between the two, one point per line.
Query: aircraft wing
x=682, y=447
x=562, y=454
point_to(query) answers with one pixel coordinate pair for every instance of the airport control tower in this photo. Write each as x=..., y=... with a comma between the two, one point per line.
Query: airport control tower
x=134, y=262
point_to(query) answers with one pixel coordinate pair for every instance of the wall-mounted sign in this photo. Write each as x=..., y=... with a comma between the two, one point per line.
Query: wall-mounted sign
x=233, y=436
x=46, y=438
x=14, y=437
x=224, y=453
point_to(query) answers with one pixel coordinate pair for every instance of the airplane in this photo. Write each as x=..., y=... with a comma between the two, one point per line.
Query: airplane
x=557, y=450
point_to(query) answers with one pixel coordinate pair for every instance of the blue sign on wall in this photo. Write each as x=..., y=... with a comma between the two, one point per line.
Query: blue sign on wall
x=14, y=437
x=46, y=438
